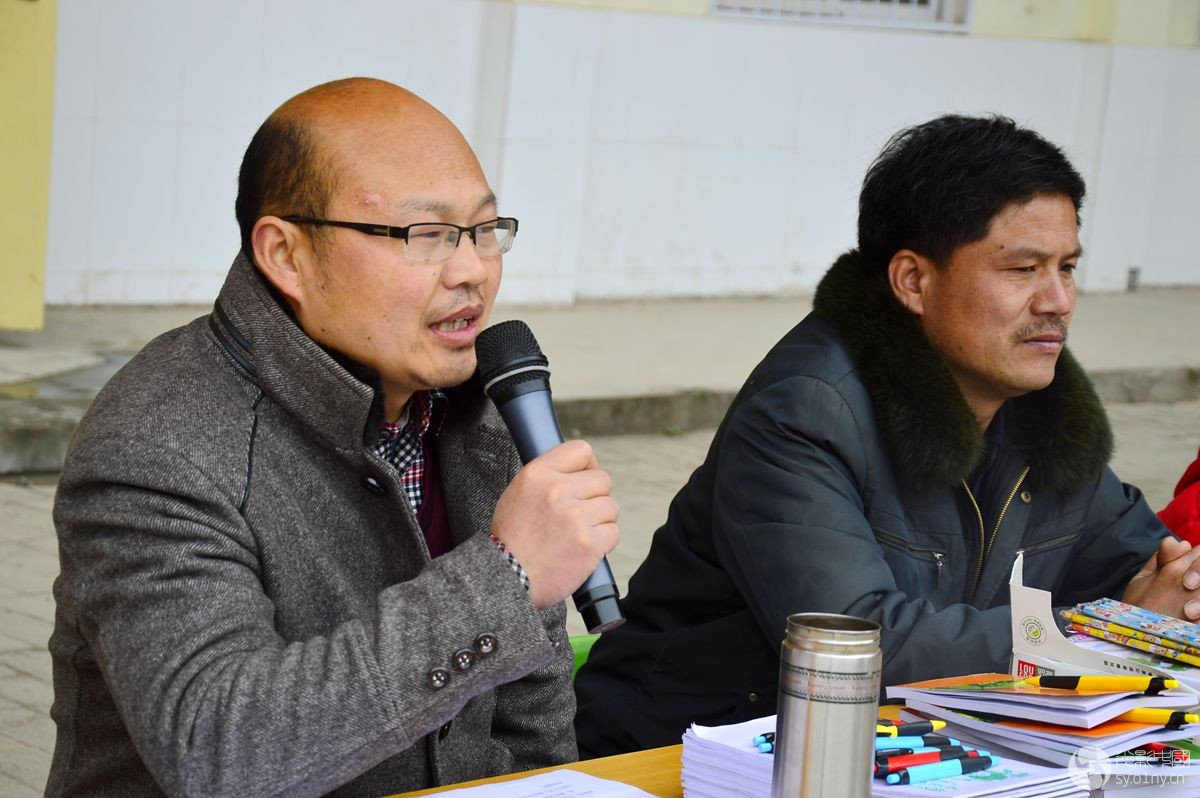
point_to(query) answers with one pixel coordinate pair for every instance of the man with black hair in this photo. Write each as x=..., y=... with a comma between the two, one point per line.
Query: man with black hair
x=892, y=454
x=299, y=552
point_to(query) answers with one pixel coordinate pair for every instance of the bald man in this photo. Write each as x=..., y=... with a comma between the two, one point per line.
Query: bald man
x=299, y=552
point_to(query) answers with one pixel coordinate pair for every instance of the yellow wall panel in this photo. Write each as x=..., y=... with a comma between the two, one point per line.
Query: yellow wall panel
x=1037, y=19
x=1171, y=22
x=27, y=30
x=1149, y=22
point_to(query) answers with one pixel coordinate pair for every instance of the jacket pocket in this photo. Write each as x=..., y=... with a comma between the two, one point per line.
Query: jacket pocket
x=1047, y=559
x=1047, y=545
x=918, y=566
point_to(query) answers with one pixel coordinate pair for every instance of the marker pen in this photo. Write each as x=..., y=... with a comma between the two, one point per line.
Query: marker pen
x=1146, y=684
x=913, y=742
x=899, y=751
x=883, y=754
x=941, y=770
x=1172, y=719
x=916, y=727
x=897, y=763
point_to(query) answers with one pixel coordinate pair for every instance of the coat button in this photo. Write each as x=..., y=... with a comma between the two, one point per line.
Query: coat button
x=1026, y=496
x=486, y=643
x=753, y=697
x=444, y=731
x=372, y=484
x=438, y=678
x=463, y=659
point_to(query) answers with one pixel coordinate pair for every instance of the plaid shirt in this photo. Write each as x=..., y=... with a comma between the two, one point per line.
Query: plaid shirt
x=401, y=444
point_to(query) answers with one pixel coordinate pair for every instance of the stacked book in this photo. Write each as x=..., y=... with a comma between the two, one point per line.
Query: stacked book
x=1091, y=724
x=722, y=761
x=1187, y=675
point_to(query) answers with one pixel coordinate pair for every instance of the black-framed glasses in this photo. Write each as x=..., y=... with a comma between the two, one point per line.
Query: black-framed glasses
x=433, y=242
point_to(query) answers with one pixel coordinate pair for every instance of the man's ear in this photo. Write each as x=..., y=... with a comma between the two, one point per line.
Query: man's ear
x=909, y=276
x=280, y=251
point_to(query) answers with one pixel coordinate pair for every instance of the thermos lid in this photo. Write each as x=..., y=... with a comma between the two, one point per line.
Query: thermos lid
x=818, y=629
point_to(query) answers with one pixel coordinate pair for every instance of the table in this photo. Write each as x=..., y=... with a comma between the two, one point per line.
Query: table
x=656, y=771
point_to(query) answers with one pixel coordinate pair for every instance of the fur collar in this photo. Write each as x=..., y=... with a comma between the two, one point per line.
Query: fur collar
x=1061, y=430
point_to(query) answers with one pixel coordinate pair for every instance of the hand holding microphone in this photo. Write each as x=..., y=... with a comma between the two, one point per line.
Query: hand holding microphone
x=558, y=520
x=558, y=517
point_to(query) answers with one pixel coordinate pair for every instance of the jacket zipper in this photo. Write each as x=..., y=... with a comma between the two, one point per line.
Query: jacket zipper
x=1051, y=543
x=939, y=558
x=985, y=546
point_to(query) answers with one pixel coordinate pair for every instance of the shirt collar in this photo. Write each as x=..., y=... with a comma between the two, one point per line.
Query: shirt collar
x=426, y=410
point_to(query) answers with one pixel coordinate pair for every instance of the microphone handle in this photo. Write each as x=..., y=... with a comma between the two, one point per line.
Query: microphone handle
x=531, y=420
x=534, y=427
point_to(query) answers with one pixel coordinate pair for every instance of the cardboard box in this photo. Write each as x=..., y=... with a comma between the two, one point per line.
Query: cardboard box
x=1041, y=649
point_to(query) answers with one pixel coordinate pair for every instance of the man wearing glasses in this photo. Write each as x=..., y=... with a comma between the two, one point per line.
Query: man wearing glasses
x=299, y=552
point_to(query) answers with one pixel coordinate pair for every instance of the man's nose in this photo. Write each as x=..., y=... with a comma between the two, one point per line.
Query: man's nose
x=464, y=266
x=1056, y=294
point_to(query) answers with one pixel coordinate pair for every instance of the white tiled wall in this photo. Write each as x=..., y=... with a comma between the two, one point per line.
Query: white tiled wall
x=1147, y=197
x=646, y=155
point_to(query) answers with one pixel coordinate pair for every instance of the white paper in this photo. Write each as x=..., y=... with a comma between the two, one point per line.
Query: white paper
x=724, y=762
x=557, y=784
x=1008, y=778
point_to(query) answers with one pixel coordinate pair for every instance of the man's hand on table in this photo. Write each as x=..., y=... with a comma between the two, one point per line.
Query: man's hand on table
x=1169, y=582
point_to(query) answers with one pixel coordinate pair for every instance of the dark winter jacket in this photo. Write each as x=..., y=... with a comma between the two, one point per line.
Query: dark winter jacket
x=247, y=605
x=838, y=483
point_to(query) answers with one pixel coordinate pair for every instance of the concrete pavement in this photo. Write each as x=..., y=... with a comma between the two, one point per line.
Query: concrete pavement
x=666, y=367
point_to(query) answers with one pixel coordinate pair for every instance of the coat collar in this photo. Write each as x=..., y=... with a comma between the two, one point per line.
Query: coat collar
x=313, y=384
x=1061, y=430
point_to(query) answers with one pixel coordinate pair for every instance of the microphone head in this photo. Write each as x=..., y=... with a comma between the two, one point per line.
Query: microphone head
x=509, y=355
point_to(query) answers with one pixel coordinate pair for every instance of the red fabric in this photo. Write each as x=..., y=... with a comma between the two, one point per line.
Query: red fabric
x=1182, y=515
x=432, y=515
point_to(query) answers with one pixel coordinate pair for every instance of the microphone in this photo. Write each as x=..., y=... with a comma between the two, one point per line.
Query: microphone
x=516, y=376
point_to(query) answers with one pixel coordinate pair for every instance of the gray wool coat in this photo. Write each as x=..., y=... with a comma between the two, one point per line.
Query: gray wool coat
x=247, y=605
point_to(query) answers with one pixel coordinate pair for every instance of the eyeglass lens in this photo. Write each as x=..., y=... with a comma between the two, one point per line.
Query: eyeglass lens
x=437, y=242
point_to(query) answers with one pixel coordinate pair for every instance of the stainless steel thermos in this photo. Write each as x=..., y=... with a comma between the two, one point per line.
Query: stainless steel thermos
x=828, y=700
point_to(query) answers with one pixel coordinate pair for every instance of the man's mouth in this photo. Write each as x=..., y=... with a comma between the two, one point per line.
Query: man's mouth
x=454, y=324
x=1046, y=343
x=459, y=327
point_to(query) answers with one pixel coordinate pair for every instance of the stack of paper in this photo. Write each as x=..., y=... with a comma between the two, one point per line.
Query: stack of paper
x=723, y=761
x=1121, y=777
x=1049, y=725
x=1186, y=674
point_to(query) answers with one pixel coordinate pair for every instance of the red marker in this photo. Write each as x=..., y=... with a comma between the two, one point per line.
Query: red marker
x=895, y=764
x=1167, y=754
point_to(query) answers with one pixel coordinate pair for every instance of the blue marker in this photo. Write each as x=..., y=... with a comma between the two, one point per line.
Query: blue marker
x=923, y=741
x=941, y=770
